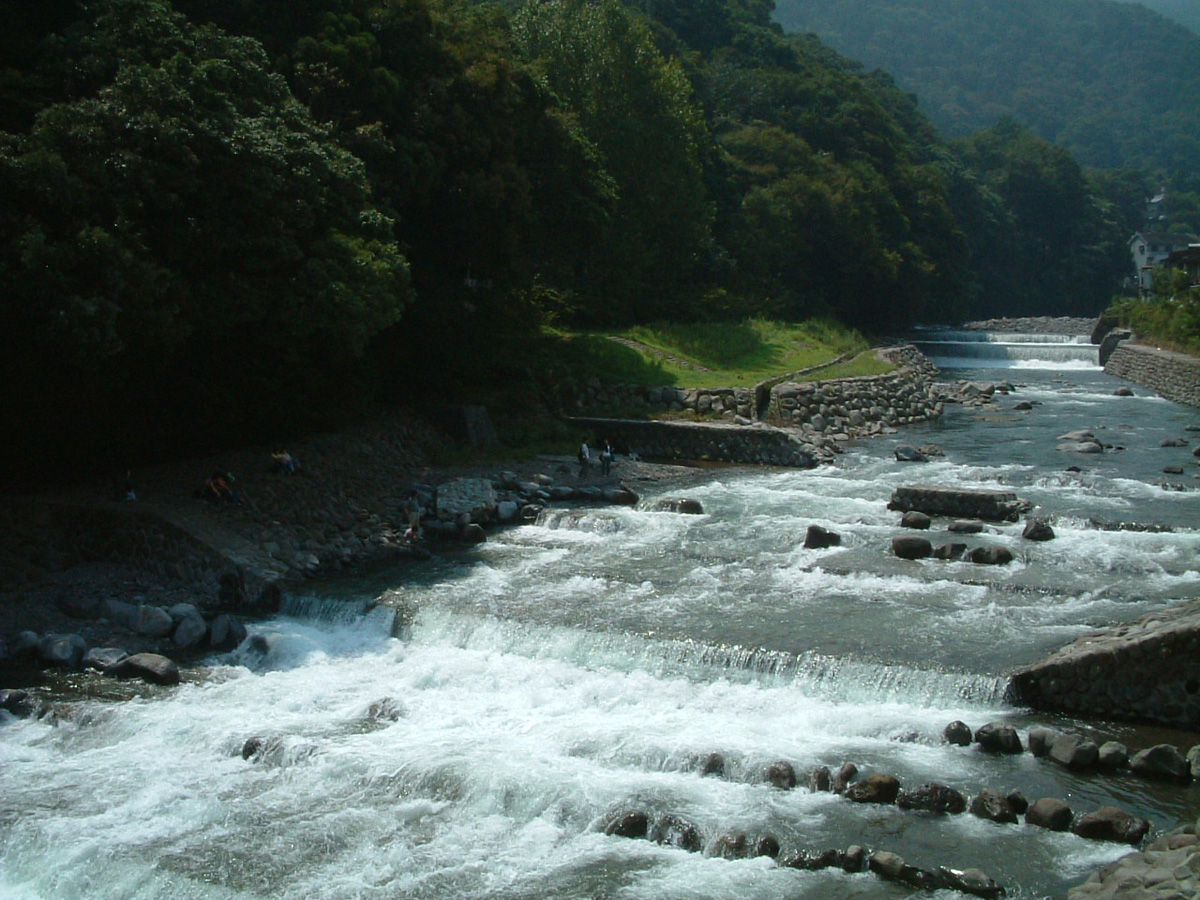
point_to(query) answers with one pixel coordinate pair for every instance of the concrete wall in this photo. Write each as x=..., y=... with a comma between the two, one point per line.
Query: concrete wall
x=1147, y=671
x=752, y=445
x=1173, y=375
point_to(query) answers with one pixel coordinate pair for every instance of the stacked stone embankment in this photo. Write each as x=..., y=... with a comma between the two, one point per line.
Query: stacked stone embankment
x=1147, y=671
x=974, y=503
x=835, y=409
x=1175, y=376
x=752, y=445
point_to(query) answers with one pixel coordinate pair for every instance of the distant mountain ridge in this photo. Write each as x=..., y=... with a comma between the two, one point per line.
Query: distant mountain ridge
x=1114, y=82
x=1185, y=12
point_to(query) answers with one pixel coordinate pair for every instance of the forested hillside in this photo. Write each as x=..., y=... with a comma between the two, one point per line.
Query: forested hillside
x=1114, y=83
x=230, y=220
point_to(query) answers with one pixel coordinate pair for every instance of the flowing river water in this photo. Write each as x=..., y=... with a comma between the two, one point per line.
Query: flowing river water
x=583, y=665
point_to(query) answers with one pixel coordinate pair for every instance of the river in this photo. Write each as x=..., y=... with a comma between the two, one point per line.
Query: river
x=581, y=666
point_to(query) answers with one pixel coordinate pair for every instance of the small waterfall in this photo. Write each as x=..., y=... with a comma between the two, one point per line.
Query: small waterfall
x=988, y=349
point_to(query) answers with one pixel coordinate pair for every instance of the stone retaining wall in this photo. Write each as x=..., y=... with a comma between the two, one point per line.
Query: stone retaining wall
x=847, y=406
x=1173, y=375
x=752, y=445
x=1148, y=671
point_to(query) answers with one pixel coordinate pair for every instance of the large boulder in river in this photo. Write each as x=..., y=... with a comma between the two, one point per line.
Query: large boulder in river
x=782, y=775
x=818, y=538
x=627, y=824
x=1040, y=740
x=1049, y=813
x=1112, y=755
x=1037, y=529
x=1074, y=751
x=226, y=632
x=1164, y=762
x=908, y=546
x=958, y=733
x=149, y=667
x=993, y=555
x=875, y=788
x=909, y=453
x=915, y=519
x=992, y=805
x=676, y=831
x=934, y=798
x=1112, y=824
x=997, y=737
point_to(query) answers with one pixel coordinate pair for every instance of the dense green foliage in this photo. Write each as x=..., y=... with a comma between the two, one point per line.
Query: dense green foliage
x=1114, y=83
x=1170, y=316
x=227, y=219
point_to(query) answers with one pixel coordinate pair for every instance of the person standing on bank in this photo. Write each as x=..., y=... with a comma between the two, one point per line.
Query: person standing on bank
x=606, y=458
x=585, y=460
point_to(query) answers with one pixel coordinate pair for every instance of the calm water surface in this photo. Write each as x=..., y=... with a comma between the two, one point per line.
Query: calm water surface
x=581, y=666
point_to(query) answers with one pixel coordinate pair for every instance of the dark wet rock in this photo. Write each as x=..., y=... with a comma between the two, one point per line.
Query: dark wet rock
x=729, y=846
x=908, y=453
x=101, y=658
x=149, y=667
x=1017, y=801
x=676, y=831
x=990, y=804
x=958, y=733
x=226, y=632
x=1123, y=392
x=1173, y=442
x=933, y=798
x=1037, y=529
x=767, y=845
x=854, y=859
x=953, y=551
x=971, y=881
x=997, y=737
x=118, y=612
x=1050, y=813
x=22, y=648
x=911, y=547
x=1110, y=823
x=621, y=496
x=994, y=555
x=921, y=879
x=812, y=862
x=875, y=788
x=684, y=505
x=18, y=703
x=1040, y=740
x=1074, y=751
x=915, y=519
x=253, y=747
x=846, y=774
x=820, y=779
x=1172, y=470
x=1112, y=755
x=781, y=774
x=965, y=526
x=1023, y=406
x=818, y=538
x=473, y=533
x=886, y=865
x=63, y=651
x=712, y=764
x=1163, y=762
x=628, y=824
x=931, y=450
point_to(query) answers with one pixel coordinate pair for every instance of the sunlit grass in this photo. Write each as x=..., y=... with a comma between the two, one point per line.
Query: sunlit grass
x=743, y=354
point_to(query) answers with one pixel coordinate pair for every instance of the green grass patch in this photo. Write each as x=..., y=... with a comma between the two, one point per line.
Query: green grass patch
x=708, y=355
